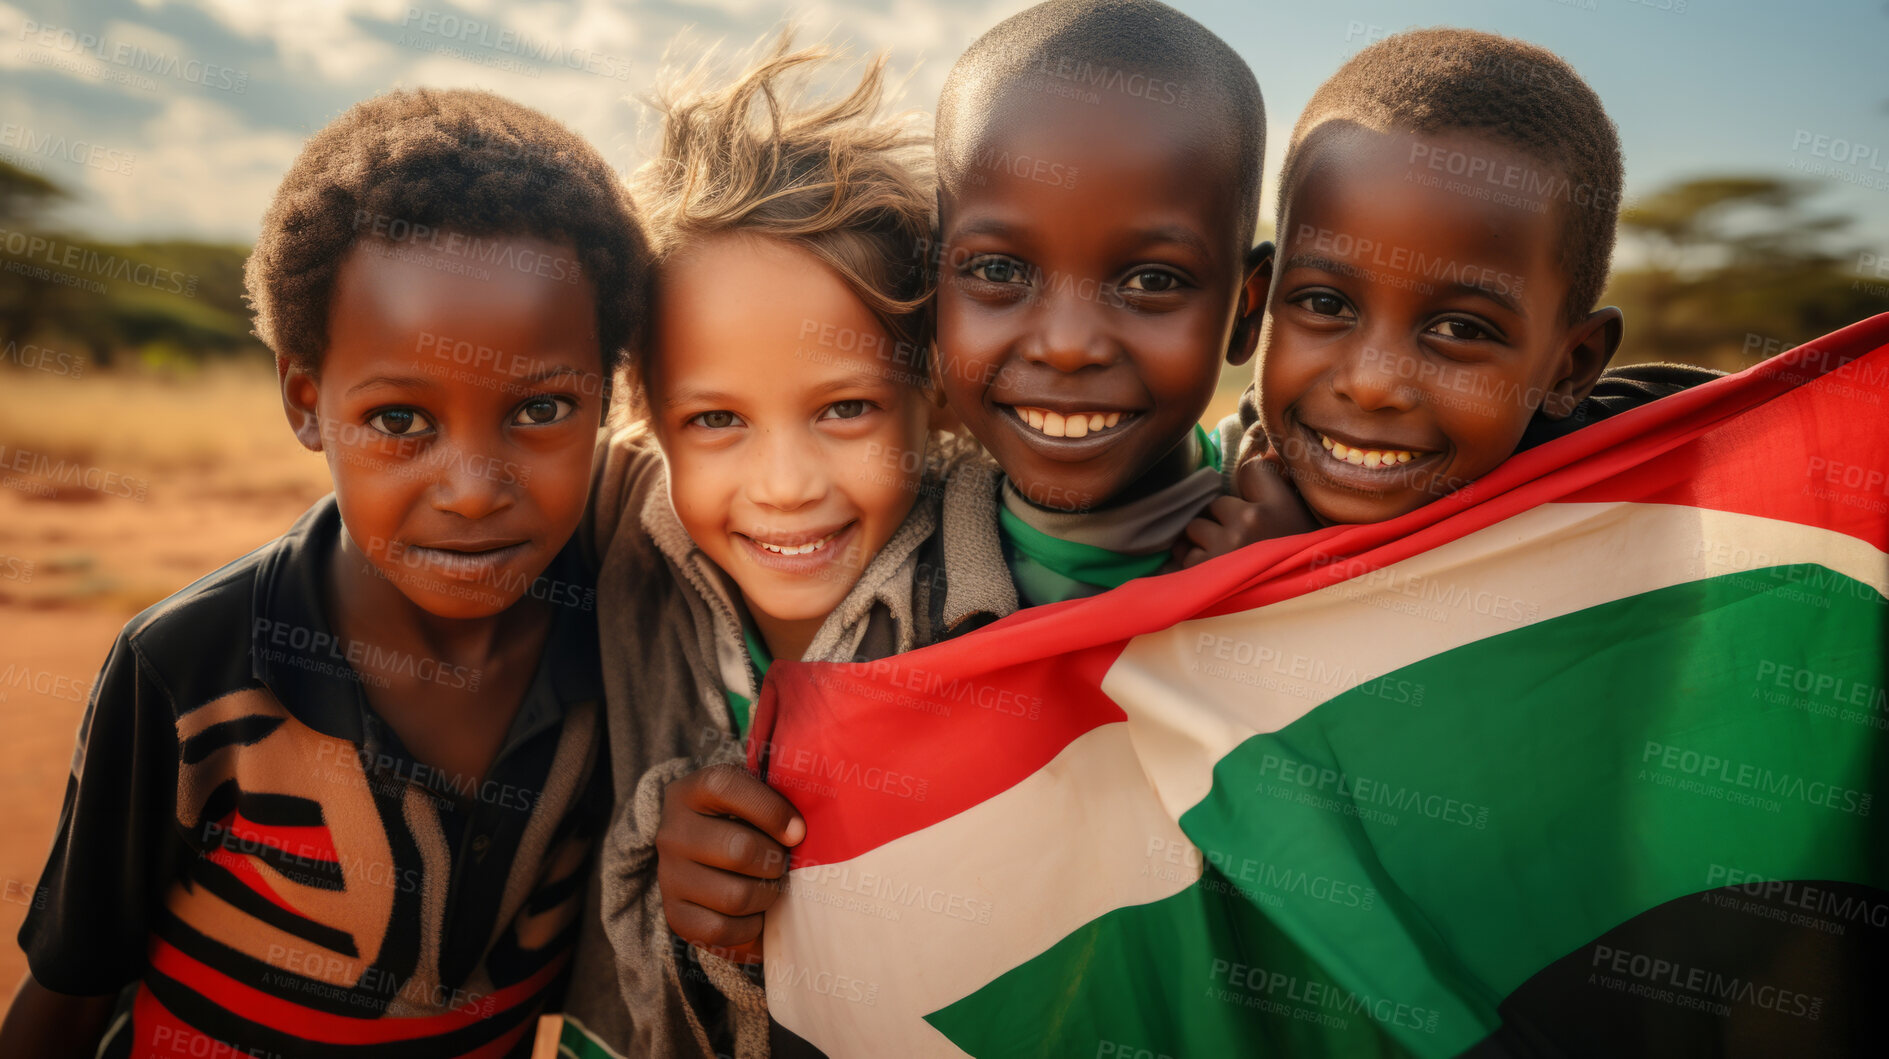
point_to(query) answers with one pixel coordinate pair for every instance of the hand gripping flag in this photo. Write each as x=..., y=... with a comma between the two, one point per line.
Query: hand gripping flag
x=1580, y=759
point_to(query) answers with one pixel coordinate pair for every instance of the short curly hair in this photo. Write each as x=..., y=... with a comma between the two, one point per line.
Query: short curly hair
x=839, y=179
x=433, y=163
x=1431, y=81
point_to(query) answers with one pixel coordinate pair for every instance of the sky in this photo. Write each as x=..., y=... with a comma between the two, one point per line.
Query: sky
x=177, y=119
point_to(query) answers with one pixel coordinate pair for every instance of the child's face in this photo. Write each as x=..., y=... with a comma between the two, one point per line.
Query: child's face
x=793, y=430
x=1089, y=284
x=1415, y=323
x=458, y=416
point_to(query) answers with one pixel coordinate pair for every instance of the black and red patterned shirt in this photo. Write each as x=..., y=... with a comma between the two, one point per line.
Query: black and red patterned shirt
x=249, y=855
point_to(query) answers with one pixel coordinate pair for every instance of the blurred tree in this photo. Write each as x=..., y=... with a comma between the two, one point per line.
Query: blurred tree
x=194, y=303
x=25, y=199
x=24, y=196
x=1735, y=264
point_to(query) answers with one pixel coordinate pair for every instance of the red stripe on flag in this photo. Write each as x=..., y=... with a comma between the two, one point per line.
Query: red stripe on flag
x=866, y=735
x=1783, y=459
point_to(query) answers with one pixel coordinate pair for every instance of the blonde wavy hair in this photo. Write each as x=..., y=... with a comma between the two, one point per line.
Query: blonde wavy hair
x=841, y=180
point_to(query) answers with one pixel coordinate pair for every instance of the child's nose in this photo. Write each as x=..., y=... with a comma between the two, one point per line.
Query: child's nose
x=1067, y=332
x=788, y=472
x=470, y=481
x=1377, y=377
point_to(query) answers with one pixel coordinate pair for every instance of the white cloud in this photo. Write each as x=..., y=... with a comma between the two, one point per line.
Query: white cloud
x=200, y=172
x=207, y=167
x=313, y=37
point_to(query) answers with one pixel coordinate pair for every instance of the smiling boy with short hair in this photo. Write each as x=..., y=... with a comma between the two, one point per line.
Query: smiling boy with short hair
x=1419, y=322
x=339, y=795
x=1447, y=217
x=1086, y=305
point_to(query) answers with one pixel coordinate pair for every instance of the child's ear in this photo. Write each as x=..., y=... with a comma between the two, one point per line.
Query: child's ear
x=939, y=415
x=1592, y=343
x=1252, y=304
x=299, y=400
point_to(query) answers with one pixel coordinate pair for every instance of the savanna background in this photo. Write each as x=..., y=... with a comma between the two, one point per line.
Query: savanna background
x=141, y=439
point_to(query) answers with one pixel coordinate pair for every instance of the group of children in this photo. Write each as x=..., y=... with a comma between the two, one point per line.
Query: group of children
x=465, y=745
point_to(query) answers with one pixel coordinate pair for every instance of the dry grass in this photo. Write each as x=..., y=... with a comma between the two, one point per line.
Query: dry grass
x=146, y=481
x=225, y=419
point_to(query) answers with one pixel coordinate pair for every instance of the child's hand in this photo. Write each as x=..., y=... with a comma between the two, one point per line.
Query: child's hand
x=721, y=850
x=1267, y=507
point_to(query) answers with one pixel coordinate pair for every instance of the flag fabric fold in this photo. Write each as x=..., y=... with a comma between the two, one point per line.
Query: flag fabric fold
x=1578, y=759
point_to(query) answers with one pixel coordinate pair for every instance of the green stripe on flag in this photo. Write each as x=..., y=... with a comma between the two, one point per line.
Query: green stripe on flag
x=1386, y=869
x=575, y=1041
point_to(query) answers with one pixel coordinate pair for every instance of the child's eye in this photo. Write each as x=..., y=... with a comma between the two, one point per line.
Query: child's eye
x=717, y=420
x=1152, y=281
x=541, y=410
x=998, y=270
x=846, y=410
x=399, y=422
x=1320, y=304
x=1460, y=329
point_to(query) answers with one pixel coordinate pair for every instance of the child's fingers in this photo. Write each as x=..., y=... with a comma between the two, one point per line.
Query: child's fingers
x=720, y=843
x=727, y=790
x=1210, y=534
x=1188, y=557
x=710, y=929
x=721, y=892
x=1263, y=481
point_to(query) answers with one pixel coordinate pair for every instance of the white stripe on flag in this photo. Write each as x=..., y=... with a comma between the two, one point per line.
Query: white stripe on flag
x=1198, y=689
x=845, y=974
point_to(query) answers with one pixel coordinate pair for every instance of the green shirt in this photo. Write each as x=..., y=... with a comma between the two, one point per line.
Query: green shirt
x=738, y=704
x=1059, y=555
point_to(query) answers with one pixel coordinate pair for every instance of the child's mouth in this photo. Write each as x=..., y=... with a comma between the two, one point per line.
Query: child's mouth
x=465, y=560
x=1368, y=457
x=1068, y=425
x=1361, y=465
x=804, y=548
x=798, y=553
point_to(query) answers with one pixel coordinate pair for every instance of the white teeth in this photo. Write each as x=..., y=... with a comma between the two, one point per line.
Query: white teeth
x=797, y=549
x=1367, y=457
x=1073, y=425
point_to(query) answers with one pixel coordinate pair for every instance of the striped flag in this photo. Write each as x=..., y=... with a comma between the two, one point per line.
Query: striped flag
x=1580, y=759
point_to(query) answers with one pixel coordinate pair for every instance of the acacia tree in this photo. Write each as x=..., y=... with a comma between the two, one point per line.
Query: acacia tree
x=211, y=318
x=1725, y=258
